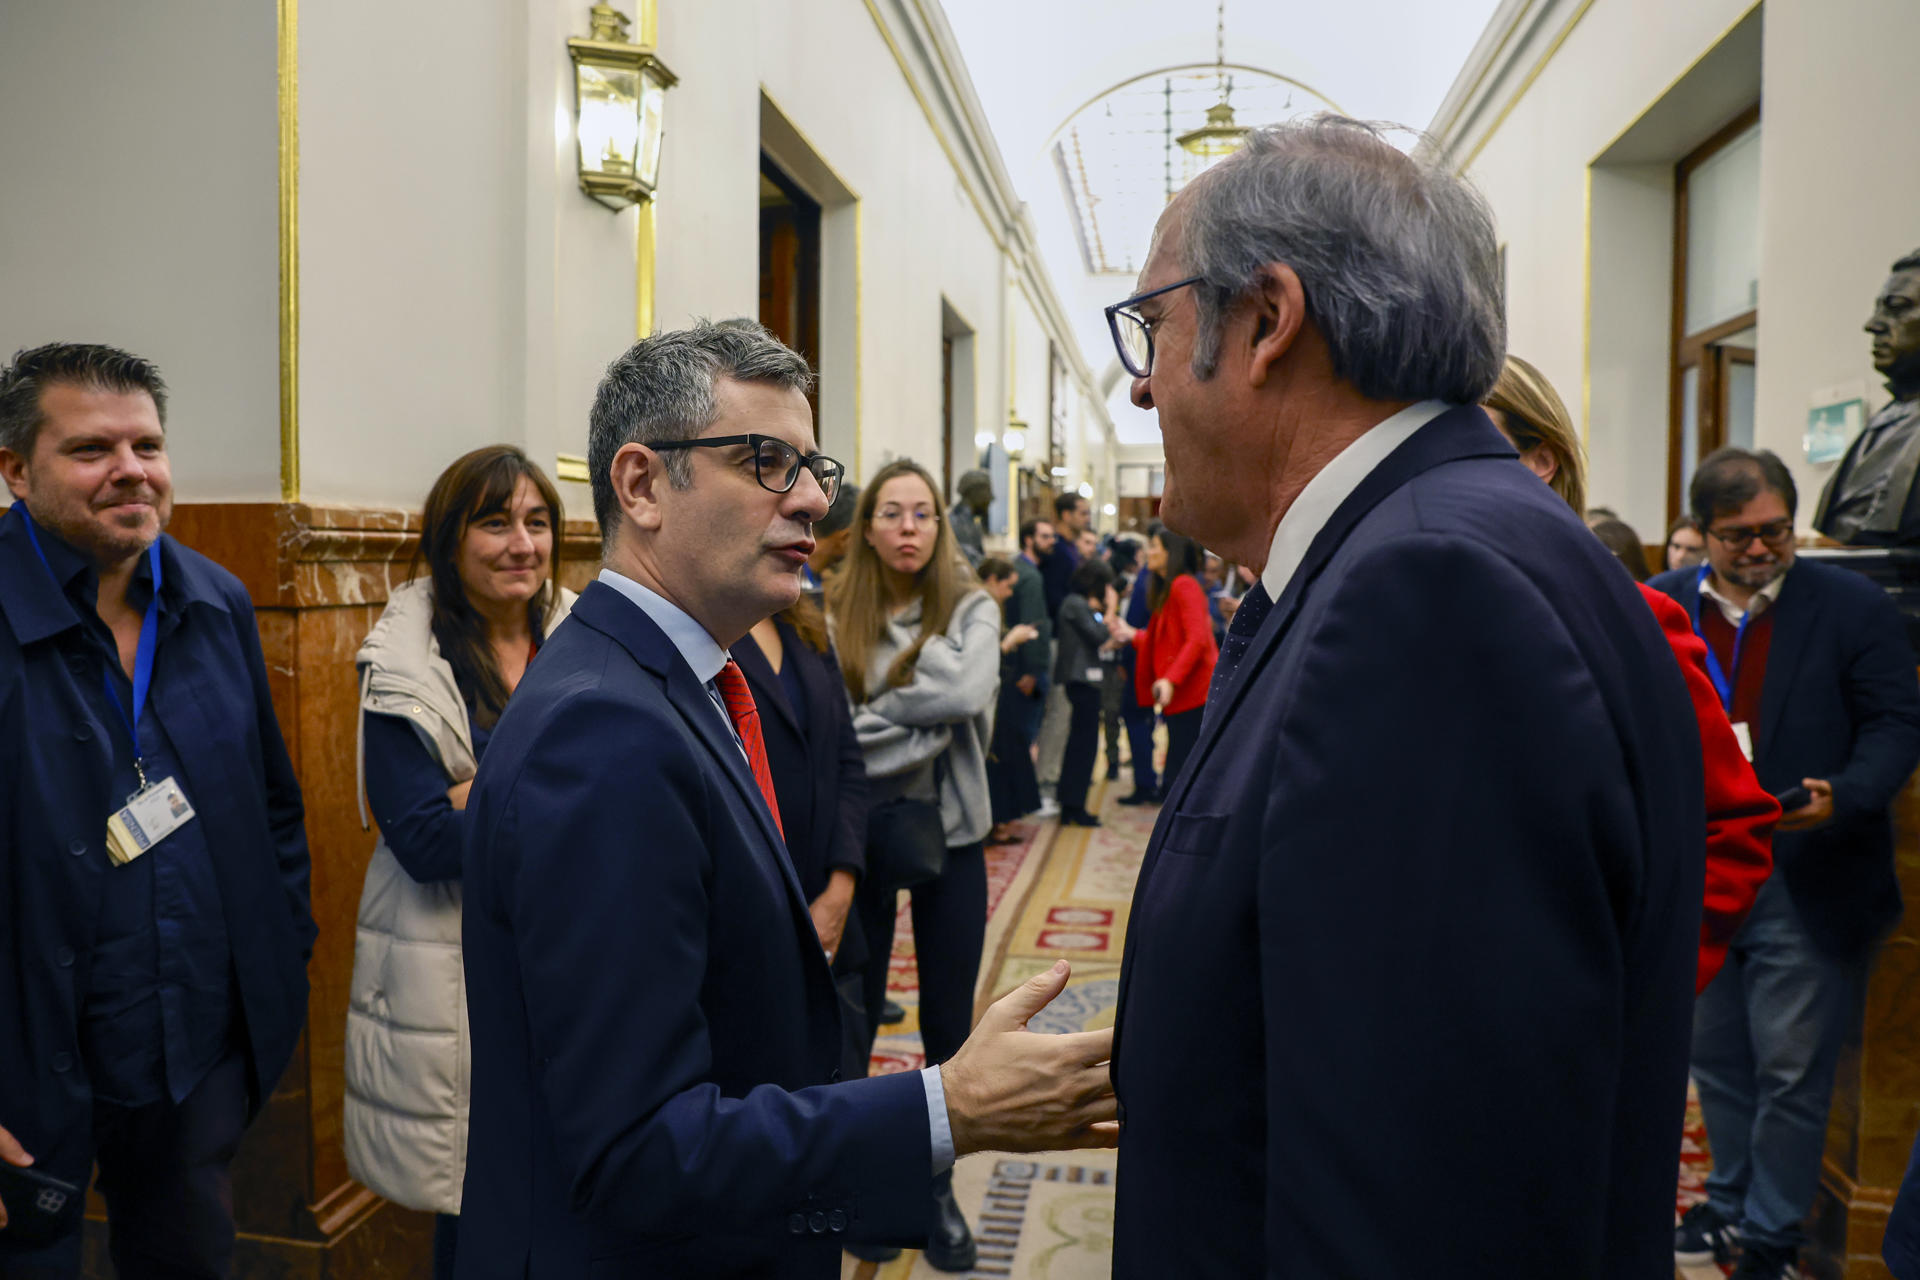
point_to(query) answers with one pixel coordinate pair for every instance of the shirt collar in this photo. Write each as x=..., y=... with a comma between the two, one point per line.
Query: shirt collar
x=1763, y=599
x=1333, y=485
x=79, y=579
x=701, y=651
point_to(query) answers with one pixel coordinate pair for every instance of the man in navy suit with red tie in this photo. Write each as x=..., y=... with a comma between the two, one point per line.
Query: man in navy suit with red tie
x=656, y=1034
x=1436, y=856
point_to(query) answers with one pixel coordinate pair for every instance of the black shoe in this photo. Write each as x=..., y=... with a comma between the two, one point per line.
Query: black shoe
x=1141, y=797
x=873, y=1252
x=1078, y=818
x=890, y=1013
x=1765, y=1262
x=1704, y=1235
x=950, y=1245
x=1113, y=773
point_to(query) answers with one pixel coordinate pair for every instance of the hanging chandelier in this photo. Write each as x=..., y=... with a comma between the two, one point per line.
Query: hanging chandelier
x=1219, y=137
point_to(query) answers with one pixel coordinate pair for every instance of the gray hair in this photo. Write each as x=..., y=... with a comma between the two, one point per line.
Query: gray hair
x=1396, y=257
x=77, y=364
x=662, y=389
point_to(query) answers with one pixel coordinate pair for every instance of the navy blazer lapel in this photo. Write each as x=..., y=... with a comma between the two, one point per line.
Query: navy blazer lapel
x=1461, y=432
x=605, y=610
x=1793, y=617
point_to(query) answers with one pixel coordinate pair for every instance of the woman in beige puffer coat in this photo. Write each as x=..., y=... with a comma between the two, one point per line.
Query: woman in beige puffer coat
x=435, y=674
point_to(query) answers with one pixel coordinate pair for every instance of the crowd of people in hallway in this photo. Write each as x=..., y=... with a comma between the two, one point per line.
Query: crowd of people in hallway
x=1463, y=832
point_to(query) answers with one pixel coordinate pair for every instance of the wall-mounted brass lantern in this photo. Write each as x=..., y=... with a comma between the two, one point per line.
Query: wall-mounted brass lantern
x=620, y=92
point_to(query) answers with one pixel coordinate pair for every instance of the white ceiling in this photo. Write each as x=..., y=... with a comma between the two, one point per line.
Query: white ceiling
x=1036, y=63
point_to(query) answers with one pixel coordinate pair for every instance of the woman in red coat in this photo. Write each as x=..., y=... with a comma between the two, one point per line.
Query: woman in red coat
x=1740, y=813
x=1175, y=652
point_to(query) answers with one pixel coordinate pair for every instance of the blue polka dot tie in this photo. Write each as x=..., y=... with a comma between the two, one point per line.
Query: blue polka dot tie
x=1253, y=610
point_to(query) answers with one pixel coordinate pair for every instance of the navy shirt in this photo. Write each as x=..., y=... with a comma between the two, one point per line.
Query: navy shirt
x=407, y=791
x=156, y=1010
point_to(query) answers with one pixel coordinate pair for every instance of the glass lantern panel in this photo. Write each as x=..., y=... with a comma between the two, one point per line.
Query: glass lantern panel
x=609, y=121
x=653, y=110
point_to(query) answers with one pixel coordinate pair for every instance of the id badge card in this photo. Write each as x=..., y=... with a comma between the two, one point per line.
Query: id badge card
x=1744, y=732
x=151, y=814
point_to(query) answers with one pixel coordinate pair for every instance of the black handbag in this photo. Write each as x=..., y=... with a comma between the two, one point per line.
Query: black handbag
x=906, y=844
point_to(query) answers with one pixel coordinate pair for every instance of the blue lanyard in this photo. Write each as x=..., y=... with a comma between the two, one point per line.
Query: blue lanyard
x=142, y=654
x=1715, y=672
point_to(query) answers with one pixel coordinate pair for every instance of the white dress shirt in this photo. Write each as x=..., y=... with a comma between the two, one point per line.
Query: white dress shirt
x=706, y=657
x=1763, y=599
x=1334, y=485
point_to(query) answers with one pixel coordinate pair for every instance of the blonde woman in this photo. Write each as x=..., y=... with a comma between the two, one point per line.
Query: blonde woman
x=919, y=645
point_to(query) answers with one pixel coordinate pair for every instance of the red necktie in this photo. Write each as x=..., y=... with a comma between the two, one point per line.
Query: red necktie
x=746, y=722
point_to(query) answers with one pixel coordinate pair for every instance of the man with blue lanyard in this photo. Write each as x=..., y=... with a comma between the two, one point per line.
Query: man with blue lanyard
x=153, y=859
x=1813, y=666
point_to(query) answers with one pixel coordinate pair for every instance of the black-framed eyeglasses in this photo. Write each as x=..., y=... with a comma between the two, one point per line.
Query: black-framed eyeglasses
x=1738, y=538
x=772, y=457
x=1132, y=335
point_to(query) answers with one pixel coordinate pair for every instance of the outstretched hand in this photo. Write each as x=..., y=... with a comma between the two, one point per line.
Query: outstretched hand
x=1011, y=1089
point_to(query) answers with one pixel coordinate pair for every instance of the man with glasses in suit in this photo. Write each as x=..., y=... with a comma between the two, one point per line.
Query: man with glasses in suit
x=1813, y=666
x=656, y=1032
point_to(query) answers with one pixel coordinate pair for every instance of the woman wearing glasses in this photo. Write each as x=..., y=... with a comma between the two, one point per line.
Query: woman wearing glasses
x=919, y=643
x=435, y=673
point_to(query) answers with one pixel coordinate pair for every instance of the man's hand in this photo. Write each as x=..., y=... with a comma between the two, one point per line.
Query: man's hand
x=457, y=793
x=829, y=910
x=1026, y=685
x=1815, y=812
x=1162, y=694
x=13, y=1153
x=1010, y=1089
x=1120, y=629
x=1018, y=634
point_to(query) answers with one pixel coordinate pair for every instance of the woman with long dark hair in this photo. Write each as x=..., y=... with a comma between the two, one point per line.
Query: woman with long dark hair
x=1175, y=652
x=435, y=673
x=919, y=643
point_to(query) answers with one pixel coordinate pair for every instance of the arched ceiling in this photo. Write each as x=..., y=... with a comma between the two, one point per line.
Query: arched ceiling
x=1037, y=65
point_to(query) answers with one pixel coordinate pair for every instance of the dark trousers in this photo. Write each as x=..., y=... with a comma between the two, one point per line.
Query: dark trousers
x=1083, y=743
x=1115, y=692
x=1012, y=786
x=1183, y=730
x=446, y=1234
x=949, y=933
x=1139, y=722
x=164, y=1172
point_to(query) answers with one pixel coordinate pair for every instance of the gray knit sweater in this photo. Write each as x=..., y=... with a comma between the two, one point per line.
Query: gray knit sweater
x=943, y=717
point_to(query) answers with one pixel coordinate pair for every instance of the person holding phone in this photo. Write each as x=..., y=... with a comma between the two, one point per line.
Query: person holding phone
x=1814, y=669
x=1081, y=668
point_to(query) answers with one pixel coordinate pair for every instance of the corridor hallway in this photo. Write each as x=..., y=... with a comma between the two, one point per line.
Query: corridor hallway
x=1058, y=893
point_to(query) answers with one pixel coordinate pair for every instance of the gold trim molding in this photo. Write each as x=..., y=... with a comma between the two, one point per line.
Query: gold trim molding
x=289, y=93
x=571, y=466
x=645, y=248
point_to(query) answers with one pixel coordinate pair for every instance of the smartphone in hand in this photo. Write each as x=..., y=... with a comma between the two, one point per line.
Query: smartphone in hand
x=1794, y=798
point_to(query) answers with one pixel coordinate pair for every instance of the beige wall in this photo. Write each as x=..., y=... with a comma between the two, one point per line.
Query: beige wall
x=1632, y=88
x=139, y=209
x=1839, y=191
x=456, y=287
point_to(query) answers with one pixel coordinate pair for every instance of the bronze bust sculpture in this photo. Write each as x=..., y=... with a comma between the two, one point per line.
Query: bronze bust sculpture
x=1871, y=499
x=969, y=514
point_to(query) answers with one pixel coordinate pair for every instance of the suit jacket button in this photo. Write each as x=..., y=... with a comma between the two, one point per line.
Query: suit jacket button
x=833, y=1077
x=837, y=1221
x=62, y=1062
x=64, y=957
x=77, y=847
x=817, y=1222
x=83, y=732
x=797, y=1224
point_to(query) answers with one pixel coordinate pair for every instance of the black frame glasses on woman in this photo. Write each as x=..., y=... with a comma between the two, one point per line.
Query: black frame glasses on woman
x=1131, y=330
x=771, y=453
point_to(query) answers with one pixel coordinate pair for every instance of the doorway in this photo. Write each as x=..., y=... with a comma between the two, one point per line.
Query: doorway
x=790, y=266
